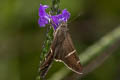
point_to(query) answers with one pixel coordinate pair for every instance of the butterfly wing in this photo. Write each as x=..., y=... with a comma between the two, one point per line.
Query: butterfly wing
x=67, y=54
x=46, y=64
x=55, y=46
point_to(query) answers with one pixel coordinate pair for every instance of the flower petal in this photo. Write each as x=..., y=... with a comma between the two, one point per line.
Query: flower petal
x=57, y=19
x=44, y=17
x=42, y=9
x=65, y=15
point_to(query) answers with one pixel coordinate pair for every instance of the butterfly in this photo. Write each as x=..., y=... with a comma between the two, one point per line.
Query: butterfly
x=62, y=50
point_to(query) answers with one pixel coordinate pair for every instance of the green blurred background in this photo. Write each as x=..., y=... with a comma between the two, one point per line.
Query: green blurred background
x=21, y=38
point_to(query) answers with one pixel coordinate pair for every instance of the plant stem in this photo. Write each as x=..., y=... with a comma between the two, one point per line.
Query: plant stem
x=49, y=36
x=55, y=7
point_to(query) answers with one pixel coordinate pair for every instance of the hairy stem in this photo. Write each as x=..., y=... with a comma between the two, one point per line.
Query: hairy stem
x=49, y=35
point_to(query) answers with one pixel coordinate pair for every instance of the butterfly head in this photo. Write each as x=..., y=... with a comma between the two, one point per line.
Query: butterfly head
x=63, y=27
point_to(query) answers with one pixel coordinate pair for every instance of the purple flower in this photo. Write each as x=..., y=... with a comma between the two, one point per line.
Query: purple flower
x=56, y=19
x=64, y=16
x=44, y=17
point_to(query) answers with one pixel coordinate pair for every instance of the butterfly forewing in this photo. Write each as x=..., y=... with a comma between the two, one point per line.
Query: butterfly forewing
x=67, y=54
x=46, y=64
x=55, y=46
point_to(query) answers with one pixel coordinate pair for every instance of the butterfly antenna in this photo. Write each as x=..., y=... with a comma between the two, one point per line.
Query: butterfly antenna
x=75, y=18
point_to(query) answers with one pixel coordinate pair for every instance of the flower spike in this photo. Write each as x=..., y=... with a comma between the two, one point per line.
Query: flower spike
x=45, y=18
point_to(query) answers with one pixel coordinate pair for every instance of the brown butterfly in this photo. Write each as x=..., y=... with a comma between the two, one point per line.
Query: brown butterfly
x=62, y=49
